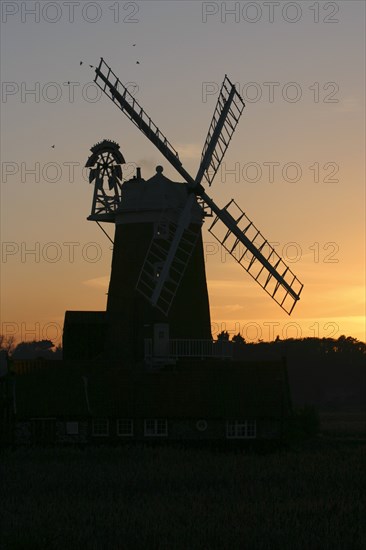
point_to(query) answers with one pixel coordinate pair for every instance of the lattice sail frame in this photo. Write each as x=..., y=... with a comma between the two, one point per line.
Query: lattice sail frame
x=225, y=119
x=286, y=295
x=171, y=252
x=125, y=101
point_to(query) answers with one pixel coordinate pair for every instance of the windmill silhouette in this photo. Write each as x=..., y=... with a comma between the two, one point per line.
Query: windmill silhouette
x=158, y=275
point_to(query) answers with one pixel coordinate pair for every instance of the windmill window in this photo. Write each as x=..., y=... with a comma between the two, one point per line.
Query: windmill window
x=241, y=429
x=72, y=428
x=156, y=427
x=125, y=427
x=201, y=425
x=161, y=230
x=158, y=267
x=100, y=427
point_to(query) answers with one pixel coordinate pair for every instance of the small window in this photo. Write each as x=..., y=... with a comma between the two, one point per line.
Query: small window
x=72, y=428
x=124, y=427
x=158, y=268
x=201, y=425
x=100, y=427
x=241, y=429
x=161, y=230
x=156, y=427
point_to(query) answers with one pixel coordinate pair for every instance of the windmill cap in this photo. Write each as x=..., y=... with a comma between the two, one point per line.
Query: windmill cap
x=153, y=196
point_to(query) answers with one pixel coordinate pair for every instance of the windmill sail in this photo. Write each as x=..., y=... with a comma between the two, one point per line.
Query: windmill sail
x=226, y=116
x=246, y=244
x=110, y=84
x=161, y=289
x=167, y=259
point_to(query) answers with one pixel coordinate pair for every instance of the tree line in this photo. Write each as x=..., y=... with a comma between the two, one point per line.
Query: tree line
x=344, y=345
x=321, y=346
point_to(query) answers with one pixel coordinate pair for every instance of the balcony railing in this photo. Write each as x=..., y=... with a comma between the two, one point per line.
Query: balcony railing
x=180, y=348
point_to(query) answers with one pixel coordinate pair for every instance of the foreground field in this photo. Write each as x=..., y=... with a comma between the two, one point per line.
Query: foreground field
x=169, y=498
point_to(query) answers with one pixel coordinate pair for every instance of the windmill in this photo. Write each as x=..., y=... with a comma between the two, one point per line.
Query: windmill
x=165, y=274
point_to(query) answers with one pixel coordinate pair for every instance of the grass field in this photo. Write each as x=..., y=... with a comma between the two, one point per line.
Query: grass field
x=309, y=497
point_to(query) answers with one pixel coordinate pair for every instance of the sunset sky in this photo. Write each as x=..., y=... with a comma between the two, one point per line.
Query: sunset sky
x=296, y=164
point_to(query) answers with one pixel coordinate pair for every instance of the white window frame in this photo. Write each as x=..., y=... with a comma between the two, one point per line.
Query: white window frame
x=97, y=433
x=155, y=427
x=125, y=433
x=72, y=427
x=241, y=429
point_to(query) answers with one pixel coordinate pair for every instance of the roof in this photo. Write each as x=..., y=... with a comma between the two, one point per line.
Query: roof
x=85, y=317
x=196, y=389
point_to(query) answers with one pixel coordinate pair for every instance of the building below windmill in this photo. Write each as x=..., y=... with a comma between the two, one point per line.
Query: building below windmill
x=84, y=402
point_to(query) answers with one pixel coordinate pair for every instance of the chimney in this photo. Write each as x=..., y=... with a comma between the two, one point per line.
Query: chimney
x=138, y=173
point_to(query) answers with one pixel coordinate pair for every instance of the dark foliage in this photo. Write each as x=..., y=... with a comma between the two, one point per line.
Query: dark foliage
x=42, y=349
x=319, y=346
x=7, y=343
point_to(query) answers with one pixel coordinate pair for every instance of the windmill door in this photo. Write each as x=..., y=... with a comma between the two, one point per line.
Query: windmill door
x=161, y=340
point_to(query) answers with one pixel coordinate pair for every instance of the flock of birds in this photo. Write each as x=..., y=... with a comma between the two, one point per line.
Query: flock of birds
x=92, y=67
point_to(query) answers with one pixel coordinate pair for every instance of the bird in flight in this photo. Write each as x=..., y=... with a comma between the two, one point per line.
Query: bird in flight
x=91, y=66
x=81, y=62
x=52, y=146
x=137, y=62
x=133, y=44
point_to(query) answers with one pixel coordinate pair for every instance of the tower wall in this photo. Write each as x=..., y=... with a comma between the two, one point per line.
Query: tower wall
x=130, y=316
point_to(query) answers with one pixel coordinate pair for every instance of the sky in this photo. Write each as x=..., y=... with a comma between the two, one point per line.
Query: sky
x=296, y=163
